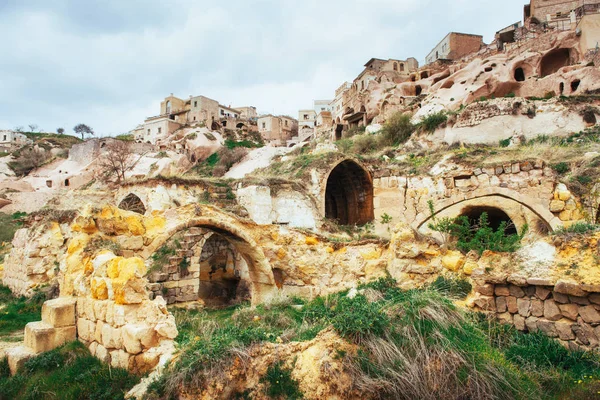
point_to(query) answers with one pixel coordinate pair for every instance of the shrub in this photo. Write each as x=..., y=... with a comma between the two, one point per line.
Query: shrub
x=344, y=145
x=510, y=95
x=561, y=167
x=355, y=130
x=126, y=137
x=280, y=384
x=452, y=287
x=364, y=144
x=396, y=130
x=504, y=142
x=577, y=228
x=432, y=121
x=357, y=318
x=584, y=179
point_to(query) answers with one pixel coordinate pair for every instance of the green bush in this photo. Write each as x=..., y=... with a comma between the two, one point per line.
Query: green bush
x=432, y=121
x=280, y=384
x=504, y=142
x=577, y=228
x=458, y=288
x=357, y=318
x=396, y=130
x=561, y=167
x=126, y=137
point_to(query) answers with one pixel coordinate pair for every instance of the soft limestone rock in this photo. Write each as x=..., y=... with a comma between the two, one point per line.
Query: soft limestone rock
x=589, y=314
x=570, y=311
x=571, y=288
x=17, y=356
x=453, y=260
x=39, y=336
x=59, y=312
x=551, y=311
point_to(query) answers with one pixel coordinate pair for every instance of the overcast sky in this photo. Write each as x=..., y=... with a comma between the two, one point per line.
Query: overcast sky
x=109, y=63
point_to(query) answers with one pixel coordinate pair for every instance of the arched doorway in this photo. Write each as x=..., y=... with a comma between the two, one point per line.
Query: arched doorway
x=349, y=194
x=168, y=107
x=495, y=217
x=209, y=260
x=554, y=60
x=133, y=203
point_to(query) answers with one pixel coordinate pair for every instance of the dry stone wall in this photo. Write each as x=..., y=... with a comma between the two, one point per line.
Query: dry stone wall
x=567, y=311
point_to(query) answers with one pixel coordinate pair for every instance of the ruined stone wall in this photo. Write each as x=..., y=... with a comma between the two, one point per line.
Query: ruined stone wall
x=530, y=185
x=462, y=45
x=541, y=8
x=564, y=310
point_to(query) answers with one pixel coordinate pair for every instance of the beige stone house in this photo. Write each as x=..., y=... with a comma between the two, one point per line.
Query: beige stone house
x=277, y=130
x=10, y=140
x=176, y=113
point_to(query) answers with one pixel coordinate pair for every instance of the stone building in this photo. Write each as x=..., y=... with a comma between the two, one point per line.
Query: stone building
x=337, y=109
x=277, y=130
x=454, y=46
x=176, y=113
x=559, y=14
x=9, y=140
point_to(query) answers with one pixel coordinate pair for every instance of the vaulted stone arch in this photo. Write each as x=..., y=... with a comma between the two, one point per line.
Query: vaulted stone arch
x=347, y=194
x=519, y=208
x=132, y=202
x=261, y=279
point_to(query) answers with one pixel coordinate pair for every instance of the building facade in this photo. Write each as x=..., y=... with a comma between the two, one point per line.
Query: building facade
x=277, y=130
x=10, y=140
x=454, y=46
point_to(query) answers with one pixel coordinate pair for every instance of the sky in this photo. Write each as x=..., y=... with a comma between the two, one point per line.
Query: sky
x=109, y=63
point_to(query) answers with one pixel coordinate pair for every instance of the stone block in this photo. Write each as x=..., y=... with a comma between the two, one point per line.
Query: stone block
x=486, y=289
x=551, y=311
x=511, y=304
x=17, y=356
x=570, y=288
x=563, y=328
x=501, y=290
x=501, y=304
x=516, y=291
x=39, y=336
x=102, y=354
x=560, y=298
x=59, y=312
x=505, y=317
x=453, y=260
x=519, y=322
x=547, y=327
x=64, y=335
x=531, y=324
x=594, y=298
x=111, y=337
x=557, y=206
x=524, y=307
x=537, y=308
x=86, y=329
x=582, y=301
x=589, y=314
x=542, y=293
x=119, y=359
x=570, y=311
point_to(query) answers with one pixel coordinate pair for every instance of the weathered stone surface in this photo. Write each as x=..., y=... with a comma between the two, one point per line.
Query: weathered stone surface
x=505, y=317
x=524, y=307
x=542, y=293
x=570, y=311
x=531, y=324
x=516, y=291
x=563, y=328
x=487, y=289
x=537, y=308
x=519, y=322
x=17, y=356
x=59, y=312
x=102, y=354
x=501, y=304
x=589, y=314
x=547, y=327
x=551, y=311
x=557, y=205
x=39, y=336
x=501, y=290
x=111, y=337
x=119, y=359
x=583, y=301
x=570, y=288
x=511, y=304
x=560, y=297
x=453, y=260
x=594, y=298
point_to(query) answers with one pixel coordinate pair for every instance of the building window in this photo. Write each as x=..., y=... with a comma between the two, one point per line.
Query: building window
x=222, y=112
x=395, y=67
x=264, y=125
x=285, y=123
x=159, y=130
x=195, y=104
x=401, y=67
x=194, y=118
x=148, y=131
x=5, y=138
x=305, y=116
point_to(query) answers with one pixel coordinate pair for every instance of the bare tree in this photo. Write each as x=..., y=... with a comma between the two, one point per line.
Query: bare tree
x=60, y=131
x=83, y=129
x=33, y=127
x=117, y=160
x=19, y=129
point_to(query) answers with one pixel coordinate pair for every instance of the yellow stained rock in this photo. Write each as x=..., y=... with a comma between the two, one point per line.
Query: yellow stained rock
x=99, y=289
x=469, y=267
x=330, y=249
x=125, y=268
x=307, y=269
x=136, y=226
x=371, y=255
x=564, y=196
x=154, y=225
x=311, y=240
x=281, y=253
x=453, y=260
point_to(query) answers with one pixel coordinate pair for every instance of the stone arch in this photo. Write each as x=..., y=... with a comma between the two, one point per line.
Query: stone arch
x=424, y=75
x=168, y=107
x=395, y=66
x=497, y=198
x=240, y=125
x=401, y=67
x=261, y=279
x=133, y=203
x=554, y=60
x=348, y=196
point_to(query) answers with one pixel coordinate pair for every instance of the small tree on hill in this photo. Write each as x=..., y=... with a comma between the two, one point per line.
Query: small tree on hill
x=60, y=131
x=83, y=129
x=33, y=127
x=118, y=159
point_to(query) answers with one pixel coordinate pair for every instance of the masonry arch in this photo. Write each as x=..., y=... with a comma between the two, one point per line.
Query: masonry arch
x=348, y=195
x=257, y=272
x=168, y=107
x=518, y=208
x=240, y=125
x=554, y=60
x=133, y=203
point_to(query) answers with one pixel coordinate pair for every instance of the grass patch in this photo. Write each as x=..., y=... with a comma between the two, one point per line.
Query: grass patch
x=18, y=311
x=433, y=121
x=412, y=344
x=126, y=137
x=69, y=372
x=9, y=224
x=578, y=228
x=455, y=288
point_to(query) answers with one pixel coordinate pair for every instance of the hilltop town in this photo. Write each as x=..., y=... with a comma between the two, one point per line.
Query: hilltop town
x=214, y=252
